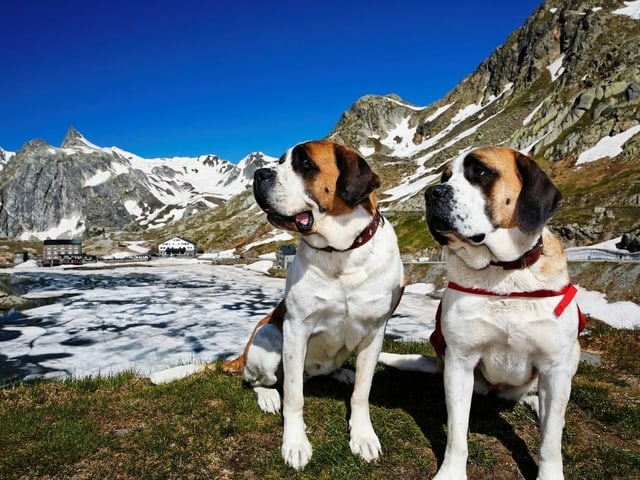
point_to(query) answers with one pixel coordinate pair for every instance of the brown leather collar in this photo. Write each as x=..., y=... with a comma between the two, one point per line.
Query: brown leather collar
x=366, y=235
x=526, y=260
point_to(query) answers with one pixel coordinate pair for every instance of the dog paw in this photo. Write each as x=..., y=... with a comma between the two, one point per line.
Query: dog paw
x=365, y=443
x=446, y=474
x=268, y=399
x=296, y=450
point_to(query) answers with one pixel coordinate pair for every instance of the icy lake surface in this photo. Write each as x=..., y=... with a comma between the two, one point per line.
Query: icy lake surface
x=149, y=318
x=163, y=314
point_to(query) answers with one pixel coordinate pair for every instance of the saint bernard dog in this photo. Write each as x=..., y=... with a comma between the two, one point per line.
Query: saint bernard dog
x=507, y=321
x=344, y=284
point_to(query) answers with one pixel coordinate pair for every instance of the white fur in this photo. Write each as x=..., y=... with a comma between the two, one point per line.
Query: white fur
x=469, y=211
x=410, y=363
x=175, y=373
x=337, y=303
x=289, y=192
x=508, y=340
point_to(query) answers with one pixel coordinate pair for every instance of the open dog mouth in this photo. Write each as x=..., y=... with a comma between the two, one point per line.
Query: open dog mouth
x=302, y=222
x=445, y=230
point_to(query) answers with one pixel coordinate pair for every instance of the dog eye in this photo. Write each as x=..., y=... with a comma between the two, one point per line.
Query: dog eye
x=477, y=173
x=304, y=166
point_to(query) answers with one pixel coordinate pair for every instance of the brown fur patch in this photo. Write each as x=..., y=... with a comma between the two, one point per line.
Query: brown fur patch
x=275, y=317
x=503, y=197
x=323, y=188
x=552, y=261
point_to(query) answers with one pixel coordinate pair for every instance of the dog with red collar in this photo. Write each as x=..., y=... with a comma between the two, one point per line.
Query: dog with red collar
x=343, y=285
x=508, y=321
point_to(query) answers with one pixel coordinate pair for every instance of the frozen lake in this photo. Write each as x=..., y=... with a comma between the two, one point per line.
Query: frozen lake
x=148, y=318
x=163, y=314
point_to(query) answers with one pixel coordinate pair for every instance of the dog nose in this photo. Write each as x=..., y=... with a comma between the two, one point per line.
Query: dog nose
x=263, y=175
x=438, y=192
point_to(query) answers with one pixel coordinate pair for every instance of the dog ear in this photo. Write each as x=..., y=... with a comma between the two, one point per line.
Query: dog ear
x=356, y=180
x=539, y=198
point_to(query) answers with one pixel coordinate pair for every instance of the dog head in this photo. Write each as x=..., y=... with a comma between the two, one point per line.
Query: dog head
x=320, y=189
x=492, y=203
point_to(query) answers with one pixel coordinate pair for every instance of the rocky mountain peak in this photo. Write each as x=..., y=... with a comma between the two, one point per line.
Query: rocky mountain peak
x=83, y=188
x=252, y=162
x=36, y=145
x=74, y=138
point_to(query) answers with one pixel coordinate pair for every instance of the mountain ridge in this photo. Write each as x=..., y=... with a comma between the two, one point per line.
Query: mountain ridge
x=564, y=88
x=80, y=186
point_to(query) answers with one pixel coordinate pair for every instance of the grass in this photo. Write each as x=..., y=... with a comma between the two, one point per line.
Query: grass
x=209, y=426
x=410, y=229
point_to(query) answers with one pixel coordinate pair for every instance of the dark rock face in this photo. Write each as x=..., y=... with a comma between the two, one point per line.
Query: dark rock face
x=41, y=186
x=79, y=187
x=630, y=242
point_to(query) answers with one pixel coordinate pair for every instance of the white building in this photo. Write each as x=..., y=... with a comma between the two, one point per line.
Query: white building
x=177, y=246
x=285, y=255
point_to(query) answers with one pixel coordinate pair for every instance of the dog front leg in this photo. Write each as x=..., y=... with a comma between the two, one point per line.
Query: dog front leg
x=458, y=388
x=364, y=441
x=554, y=391
x=296, y=449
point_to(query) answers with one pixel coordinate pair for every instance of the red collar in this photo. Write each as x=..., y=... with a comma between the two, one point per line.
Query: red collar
x=568, y=292
x=526, y=260
x=366, y=235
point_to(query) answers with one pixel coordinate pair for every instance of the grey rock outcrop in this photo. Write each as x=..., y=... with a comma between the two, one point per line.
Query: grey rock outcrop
x=63, y=192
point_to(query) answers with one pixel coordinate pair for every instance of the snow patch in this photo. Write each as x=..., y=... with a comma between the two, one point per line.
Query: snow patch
x=438, y=112
x=99, y=177
x=133, y=208
x=406, y=190
x=615, y=314
x=261, y=266
x=610, y=146
x=400, y=138
x=632, y=10
x=529, y=117
x=366, y=151
x=276, y=236
x=556, y=69
x=71, y=227
x=406, y=105
x=420, y=288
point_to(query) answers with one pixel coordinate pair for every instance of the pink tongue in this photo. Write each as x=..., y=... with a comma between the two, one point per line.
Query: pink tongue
x=303, y=219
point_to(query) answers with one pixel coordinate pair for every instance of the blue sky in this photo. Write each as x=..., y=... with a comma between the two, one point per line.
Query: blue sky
x=167, y=78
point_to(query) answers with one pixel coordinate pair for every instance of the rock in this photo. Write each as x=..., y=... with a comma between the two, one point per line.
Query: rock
x=630, y=242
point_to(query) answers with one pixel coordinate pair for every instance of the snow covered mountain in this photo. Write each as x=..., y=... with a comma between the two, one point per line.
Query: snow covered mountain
x=564, y=88
x=5, y=157
x=49, y=192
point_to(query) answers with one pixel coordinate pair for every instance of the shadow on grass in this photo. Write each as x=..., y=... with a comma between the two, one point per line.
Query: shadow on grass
x=421, y=396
